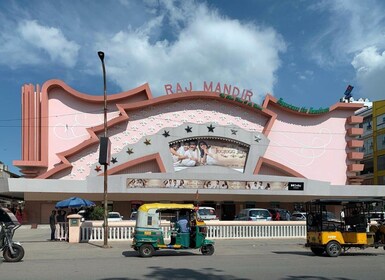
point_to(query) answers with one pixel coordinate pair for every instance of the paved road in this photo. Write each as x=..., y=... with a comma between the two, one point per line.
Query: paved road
x=233, y=259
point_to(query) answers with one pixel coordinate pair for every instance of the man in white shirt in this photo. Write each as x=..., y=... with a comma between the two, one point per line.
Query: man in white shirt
x=192, y=155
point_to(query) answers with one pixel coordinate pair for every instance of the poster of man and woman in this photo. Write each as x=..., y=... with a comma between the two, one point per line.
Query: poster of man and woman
x=206, y=151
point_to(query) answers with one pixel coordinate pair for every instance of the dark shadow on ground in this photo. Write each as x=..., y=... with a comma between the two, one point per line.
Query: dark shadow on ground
x=343, y=254
x=300, y=253
x=161, y=273
x=311, y=277
x=163, y=253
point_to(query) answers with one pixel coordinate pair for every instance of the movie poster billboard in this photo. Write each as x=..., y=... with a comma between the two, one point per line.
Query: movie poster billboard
x=214, y=184
x=189, y=153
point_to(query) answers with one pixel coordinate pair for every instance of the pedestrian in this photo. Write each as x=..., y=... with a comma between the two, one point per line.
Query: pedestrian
x=61, y=221
x=277, y=216
x=287, y=216
x=19, y=215
x=52, y=224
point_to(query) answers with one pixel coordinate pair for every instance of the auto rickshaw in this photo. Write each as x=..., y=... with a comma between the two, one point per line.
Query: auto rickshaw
x=352, y=228
x=187, y=230
x=12, y=250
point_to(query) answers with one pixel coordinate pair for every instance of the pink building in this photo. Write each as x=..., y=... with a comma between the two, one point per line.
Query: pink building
x=186, y=145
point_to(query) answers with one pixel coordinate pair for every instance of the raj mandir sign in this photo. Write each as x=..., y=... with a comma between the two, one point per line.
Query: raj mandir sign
x=244, y=94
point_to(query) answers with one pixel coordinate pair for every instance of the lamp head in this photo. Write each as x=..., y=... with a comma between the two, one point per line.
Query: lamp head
x=101, y=55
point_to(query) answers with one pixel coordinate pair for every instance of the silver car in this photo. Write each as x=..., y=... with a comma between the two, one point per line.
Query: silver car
x=254, y=214
x=298, y=216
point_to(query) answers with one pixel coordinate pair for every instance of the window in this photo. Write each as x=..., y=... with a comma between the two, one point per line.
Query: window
x=381, y=121
x=368, y=167
x=368, y=147
x=381, y=163
x=381, y=180
x=381, y=142
x=366, y=125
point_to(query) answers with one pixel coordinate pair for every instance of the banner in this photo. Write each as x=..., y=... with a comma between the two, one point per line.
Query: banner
x=189, y=153
x=214, y=184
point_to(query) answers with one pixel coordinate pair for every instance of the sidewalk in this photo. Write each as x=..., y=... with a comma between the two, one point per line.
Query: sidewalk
x=27, y=234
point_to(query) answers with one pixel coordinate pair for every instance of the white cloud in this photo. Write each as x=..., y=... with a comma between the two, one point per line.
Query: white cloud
x=370, y=71
x=208, y=47
x=354, y=35
x=50, y=40
x=351, y=27
x=29, y=43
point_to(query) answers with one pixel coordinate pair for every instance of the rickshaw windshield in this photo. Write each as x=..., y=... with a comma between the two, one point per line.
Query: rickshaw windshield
x=149, y=214
x=6, y=216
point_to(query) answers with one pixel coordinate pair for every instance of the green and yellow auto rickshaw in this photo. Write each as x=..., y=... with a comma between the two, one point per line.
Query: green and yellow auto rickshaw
x=187, y=230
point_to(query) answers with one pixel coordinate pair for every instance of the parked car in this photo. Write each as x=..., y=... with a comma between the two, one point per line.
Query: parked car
x=376, y=216
x=284, y=215
x=207, y=213
x=330, y=217
x=298, y=216
x=114, y=217
x=133, y=215
x=254, y=214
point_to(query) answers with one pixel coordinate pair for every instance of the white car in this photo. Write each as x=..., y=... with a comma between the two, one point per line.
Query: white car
x=114, y=217
x=298, y=216
x=207, y=213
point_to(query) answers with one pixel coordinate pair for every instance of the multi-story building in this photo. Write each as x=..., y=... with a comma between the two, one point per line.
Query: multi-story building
x=373, y=126
x=206, y=142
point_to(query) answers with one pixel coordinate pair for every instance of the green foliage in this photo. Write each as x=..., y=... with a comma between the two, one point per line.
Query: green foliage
x=97, y=213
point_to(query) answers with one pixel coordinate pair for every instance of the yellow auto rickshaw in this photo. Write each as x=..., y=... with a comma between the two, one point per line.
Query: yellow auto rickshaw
x=351, y=228
x=187, y=230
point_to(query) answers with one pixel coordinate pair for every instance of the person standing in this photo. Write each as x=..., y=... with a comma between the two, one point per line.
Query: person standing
x=52, y=224
x=287, y=216
x=60, y=219
x=19, y=215
x=277, y=216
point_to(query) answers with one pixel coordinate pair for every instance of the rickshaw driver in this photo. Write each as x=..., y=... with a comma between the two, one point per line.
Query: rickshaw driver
x=182, y=225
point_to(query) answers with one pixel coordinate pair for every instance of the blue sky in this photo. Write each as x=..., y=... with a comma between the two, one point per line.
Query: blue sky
x=305, y=52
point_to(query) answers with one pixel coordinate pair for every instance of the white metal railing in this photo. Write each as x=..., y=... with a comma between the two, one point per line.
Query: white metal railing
x=122, y=231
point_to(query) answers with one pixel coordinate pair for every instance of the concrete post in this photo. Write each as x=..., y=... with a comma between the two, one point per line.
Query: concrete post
x=74, y=223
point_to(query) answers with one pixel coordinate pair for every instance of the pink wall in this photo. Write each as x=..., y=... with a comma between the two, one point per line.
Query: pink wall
x=142, y=123
x=65, y=145
x=314, y=147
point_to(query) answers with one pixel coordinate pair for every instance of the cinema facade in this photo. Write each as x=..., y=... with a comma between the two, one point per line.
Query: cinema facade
x=212, y=145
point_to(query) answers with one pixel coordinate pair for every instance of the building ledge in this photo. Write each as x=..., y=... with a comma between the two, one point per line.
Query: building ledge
x=355, y=143
x=355, y=120
x=355, y=167
x=355, y=131
x=355, y=155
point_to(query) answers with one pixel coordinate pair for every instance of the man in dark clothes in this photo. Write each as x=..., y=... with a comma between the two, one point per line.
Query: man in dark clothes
x=52, y=224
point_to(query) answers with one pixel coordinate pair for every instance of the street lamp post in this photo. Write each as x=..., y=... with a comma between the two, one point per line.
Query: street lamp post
x=104, y=153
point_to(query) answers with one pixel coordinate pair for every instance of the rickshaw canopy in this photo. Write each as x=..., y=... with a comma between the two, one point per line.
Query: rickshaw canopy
x=165, y=206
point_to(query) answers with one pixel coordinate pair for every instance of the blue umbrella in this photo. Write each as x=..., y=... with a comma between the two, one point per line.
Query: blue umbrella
x=74, y=202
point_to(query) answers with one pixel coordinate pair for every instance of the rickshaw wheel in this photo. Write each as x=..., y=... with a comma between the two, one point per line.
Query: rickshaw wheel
x=19, y=253
x=311, y=219
x=207, y=250
x=317, y=251
x=146, y=250
x=333, y=249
